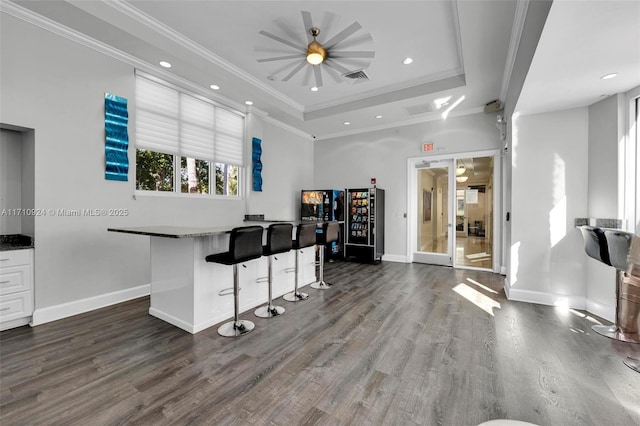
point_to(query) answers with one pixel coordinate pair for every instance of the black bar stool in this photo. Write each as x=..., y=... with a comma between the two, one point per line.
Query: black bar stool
x=278, y=241
x=330, y=234
x=305, y=237
x=245, y=243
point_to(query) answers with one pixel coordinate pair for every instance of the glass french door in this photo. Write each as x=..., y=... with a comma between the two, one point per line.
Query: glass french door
x=434, y=217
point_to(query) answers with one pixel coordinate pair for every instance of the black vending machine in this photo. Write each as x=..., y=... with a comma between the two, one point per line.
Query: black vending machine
x=321, y=205
x=364, y=224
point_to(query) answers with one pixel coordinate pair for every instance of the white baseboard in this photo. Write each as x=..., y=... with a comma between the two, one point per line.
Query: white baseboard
x=607, y=312
x=53, y=313
x=574, y=302
x=395, y=258
x=541, y=298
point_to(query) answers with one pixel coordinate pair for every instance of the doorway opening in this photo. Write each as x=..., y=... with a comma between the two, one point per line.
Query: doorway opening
x=452, y=204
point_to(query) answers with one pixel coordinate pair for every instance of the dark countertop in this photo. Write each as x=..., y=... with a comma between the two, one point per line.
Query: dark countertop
x=15, y=242
x=191, y=232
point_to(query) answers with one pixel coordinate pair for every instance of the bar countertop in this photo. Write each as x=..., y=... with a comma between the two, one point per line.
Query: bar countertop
x=191, y=232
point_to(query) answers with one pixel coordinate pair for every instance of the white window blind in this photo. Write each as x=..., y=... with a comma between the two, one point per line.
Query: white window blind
x=197, y=131
x=229, y=132
x=157, y=117
x=174, y=122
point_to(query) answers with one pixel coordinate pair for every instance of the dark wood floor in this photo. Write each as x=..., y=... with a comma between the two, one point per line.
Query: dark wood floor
x=390, y=344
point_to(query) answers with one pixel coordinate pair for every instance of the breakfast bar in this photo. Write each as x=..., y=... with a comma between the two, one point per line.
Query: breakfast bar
x=192, y=294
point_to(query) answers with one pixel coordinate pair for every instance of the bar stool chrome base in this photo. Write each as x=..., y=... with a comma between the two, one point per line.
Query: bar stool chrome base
x=295, y=296
x=321, y=285
x=269, y=311
x=613, y=332
x=236, y=328
x=632, y=363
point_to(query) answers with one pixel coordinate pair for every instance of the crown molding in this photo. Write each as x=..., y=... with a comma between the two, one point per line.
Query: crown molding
x=160, y=28
x=514, y=42
x=387, y=90
x=264, y=116
x=434, y=116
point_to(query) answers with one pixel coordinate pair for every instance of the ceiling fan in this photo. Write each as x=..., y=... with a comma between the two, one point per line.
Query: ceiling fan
x=321, y=52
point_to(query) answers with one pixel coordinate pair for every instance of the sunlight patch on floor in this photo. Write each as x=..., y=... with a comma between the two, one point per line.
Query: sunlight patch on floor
x=482, y=286
x=483, y=302
x=585, y=316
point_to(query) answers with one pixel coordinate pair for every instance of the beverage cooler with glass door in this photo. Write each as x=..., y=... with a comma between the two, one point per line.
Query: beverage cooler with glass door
x=364, y=224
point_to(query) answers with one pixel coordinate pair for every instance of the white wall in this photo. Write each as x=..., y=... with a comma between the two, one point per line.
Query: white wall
x=286, y=169
x=10, y=181
x=606, y=119
x=549, y=190
x=606, y=132
x=351, y=161
x=57, y=87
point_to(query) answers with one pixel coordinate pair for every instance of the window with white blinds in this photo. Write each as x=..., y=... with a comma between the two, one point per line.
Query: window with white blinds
x=173, y=122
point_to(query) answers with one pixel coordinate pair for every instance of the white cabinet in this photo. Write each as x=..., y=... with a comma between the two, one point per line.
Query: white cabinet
x=16, y=288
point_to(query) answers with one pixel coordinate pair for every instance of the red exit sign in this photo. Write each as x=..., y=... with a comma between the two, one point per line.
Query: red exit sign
x=427, y=147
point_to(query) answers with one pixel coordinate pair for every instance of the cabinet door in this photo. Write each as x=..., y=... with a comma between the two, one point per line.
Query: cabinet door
x=307, y=266
x=253, y=283
x=15, y=306
x=283, y=273
x=15, y=279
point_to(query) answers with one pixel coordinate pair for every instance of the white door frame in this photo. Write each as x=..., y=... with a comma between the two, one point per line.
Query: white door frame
x=413, y=164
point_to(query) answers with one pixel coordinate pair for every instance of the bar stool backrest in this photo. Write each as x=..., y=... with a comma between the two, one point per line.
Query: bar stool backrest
x=619, y=243
x=330, y=233
x=595, y=243
x=305, y=235
x=245, y=243
x=279, y=238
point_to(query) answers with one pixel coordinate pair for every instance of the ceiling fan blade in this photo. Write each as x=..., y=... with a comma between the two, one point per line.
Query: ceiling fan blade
x=353, y=54
x=280, y=58
x=335, y=76
x=318, y=75
x=308, y=24
x=350, y=30
x=296, y=70
x=283, y=41
x=336, y=66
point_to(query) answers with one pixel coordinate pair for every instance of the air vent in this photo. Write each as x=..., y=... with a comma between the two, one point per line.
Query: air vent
x=419, y=109
x=356, y=77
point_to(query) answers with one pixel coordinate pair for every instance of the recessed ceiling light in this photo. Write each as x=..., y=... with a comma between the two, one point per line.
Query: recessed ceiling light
x=248, y=103
x=346, y=123
x=165, y=64
x=378, y=116
x=407, y=61
x=608, y=76
x=215, y=87
x=314, y=89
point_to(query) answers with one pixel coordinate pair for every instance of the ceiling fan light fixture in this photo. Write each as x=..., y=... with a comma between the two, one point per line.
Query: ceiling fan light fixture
x=462, y=178
x=316, y=54
x=460, y=170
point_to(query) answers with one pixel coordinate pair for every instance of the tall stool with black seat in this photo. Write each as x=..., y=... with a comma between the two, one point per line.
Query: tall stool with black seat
x=278, y=241
x=245, y=243
x=330, y=234
x=305, y=237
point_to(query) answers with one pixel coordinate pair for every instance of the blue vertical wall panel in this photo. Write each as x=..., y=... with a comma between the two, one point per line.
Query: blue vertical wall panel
x=256, y=153
x=116, y=118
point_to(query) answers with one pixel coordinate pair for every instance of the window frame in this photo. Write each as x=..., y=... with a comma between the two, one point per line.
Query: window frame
x=177, y=158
